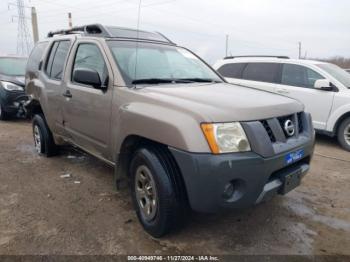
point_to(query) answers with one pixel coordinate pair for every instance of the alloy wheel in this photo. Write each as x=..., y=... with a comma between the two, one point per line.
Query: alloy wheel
x=146, y=193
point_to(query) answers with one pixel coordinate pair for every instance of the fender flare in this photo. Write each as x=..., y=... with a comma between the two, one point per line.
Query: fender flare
x=336, y=117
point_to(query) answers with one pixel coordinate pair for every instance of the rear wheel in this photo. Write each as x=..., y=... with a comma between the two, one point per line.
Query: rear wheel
x=157, y=193
x=344, y=134
x=43, y=140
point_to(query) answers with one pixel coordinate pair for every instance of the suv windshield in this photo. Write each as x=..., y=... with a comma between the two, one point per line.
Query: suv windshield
x=340, y=74
x=12, y=66
x=148, y=63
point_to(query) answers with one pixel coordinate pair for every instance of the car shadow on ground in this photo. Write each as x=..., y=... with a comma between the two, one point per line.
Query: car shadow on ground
x=327, y=140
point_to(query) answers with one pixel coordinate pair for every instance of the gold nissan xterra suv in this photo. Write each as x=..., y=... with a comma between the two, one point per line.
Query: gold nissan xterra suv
x=173, y=128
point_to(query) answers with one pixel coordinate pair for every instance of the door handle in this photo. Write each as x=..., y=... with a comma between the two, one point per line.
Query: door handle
x=67, y=94
x=282, y=91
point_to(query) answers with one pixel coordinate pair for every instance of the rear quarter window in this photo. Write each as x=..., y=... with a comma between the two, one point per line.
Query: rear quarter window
x=233, y=70
x=36, y=56
x=262, y=72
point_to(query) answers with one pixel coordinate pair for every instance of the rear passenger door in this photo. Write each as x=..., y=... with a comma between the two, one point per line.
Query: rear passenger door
x=52, y=76
x=297, y=82
x=263, y=76
x=87, y=112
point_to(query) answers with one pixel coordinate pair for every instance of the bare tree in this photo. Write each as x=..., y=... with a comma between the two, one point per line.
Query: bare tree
x=337, y=60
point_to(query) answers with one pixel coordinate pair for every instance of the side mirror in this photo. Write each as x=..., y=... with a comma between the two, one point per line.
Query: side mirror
x=323, y=84
x=87, y=77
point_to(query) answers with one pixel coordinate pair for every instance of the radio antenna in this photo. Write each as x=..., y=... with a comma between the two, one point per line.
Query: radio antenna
x=137, y=37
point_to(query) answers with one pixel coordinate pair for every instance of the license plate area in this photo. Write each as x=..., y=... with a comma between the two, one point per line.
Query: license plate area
x=293, y=157
x=290, y=181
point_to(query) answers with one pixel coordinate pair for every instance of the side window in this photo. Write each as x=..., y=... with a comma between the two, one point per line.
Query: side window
x=59, y=60
x=301, y=76
x=263, y=72
x=50, y=59
x=55, y=63
x=312, y=77
x=232, y=70
x=35, y=56
x=89, y=56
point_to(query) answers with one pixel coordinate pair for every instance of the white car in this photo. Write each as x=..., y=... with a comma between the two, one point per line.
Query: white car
x=322, y=87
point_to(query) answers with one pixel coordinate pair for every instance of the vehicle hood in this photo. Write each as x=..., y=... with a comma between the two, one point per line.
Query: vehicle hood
x=18, y=80
x=221, y=102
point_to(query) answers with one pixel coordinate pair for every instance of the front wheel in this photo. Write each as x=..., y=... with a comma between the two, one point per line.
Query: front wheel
x=344, y=134
x=43, y=140
x=156, y=191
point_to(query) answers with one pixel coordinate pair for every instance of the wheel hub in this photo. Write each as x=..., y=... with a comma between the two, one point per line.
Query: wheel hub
x=146, y=194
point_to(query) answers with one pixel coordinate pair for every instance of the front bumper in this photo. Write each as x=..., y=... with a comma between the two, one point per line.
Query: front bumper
x=11, y=100
x=254, y=177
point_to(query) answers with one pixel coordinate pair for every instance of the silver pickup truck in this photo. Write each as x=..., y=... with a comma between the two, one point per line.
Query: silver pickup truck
x=176, y=132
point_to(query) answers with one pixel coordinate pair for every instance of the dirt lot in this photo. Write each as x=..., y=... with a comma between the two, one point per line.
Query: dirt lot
x=42, y=213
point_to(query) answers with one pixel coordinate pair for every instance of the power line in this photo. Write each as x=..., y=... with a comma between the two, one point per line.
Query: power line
x=86, y=7
x=83, y=11
x=201, y=22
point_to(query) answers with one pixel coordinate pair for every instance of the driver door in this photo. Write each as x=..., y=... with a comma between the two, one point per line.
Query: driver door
x=87, y=110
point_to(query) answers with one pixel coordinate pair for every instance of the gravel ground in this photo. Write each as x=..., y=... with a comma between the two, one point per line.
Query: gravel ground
x=43, y=213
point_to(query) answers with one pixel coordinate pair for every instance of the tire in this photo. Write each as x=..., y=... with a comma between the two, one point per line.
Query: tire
x=3, y=115
x=166, y=196
x=43, y=139
x=343, y=134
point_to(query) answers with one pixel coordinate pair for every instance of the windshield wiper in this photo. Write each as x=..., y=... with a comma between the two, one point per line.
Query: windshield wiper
x=173, y=80
x=161, y=81
x=152, y=81
x=200, y=80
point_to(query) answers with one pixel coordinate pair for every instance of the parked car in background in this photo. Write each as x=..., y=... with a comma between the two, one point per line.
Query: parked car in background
x=167, y=122
x=12, y=95
x=322, y=87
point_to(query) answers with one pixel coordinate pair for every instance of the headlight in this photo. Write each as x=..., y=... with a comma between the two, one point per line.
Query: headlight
x=11, y=86
x=226, y=137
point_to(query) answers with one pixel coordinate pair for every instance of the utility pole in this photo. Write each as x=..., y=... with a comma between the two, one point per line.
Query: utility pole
x=299, y=50
x=35, y=25
x=226, y=52
x=70, y=23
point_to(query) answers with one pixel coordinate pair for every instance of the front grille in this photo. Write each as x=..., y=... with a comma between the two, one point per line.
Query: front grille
x=275, y=132
x=268, y=130
x=300, y=123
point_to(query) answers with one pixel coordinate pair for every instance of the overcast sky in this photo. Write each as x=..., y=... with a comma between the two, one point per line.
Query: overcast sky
x=270, y=27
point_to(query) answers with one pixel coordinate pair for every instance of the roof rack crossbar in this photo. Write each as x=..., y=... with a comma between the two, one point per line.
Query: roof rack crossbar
x=259, y=56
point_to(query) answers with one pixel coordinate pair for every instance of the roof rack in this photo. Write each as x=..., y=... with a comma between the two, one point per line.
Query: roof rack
x=98, y=30
x=259, y=56
x=95, y=29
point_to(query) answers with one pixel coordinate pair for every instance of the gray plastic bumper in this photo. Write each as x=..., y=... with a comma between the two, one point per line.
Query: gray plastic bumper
x=255, y=178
